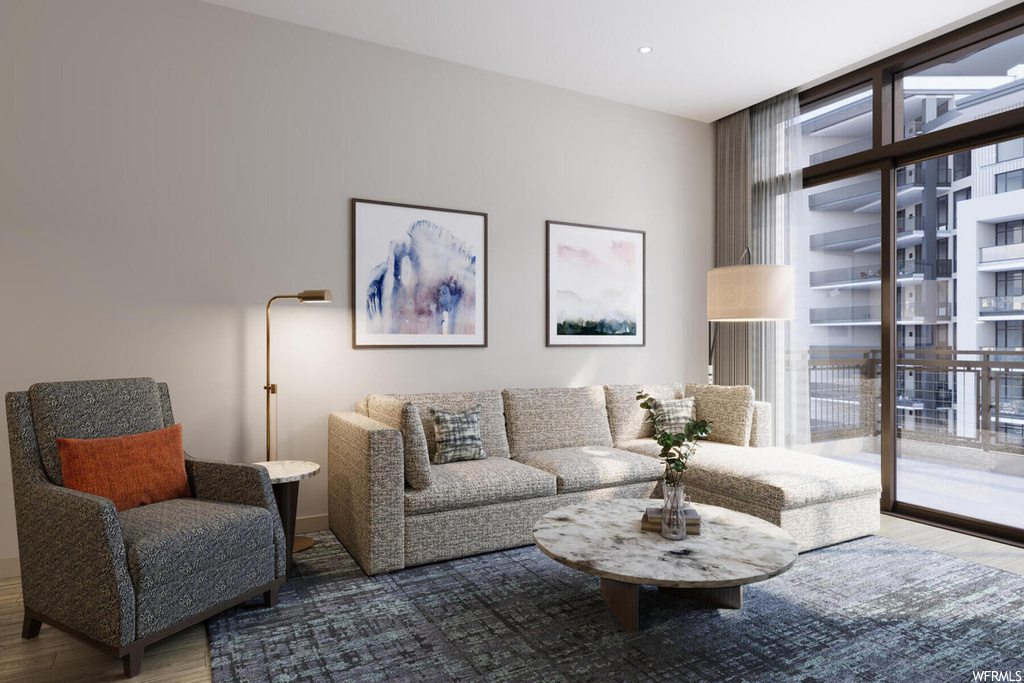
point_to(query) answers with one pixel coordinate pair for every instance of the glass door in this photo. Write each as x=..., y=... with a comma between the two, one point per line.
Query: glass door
x=960, y=357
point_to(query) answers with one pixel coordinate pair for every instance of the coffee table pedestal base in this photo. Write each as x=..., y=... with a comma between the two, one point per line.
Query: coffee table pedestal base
x=623, y=599
x=730, y=598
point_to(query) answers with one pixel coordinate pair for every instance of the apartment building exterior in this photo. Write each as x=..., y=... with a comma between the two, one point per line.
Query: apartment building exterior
x=960, y=271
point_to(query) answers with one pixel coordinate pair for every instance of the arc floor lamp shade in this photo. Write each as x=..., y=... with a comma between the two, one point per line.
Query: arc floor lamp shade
x=750, y=293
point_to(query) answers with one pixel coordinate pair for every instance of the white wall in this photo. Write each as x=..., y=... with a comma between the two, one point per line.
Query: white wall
x=167, y=167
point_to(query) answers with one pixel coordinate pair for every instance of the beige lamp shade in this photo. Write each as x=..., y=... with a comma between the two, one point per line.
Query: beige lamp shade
x=744, y=293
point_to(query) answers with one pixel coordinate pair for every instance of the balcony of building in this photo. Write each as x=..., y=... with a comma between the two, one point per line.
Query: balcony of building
x=997, y=307
x=960, y=423
x=867, y=239
x=867, y=276
x=865, y=195
x=861, y=145
x=907, y=313
x=1000, y=258
x=847, y=119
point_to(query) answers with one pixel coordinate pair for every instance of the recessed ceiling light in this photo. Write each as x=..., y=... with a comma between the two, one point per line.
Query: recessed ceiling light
x=645, y=49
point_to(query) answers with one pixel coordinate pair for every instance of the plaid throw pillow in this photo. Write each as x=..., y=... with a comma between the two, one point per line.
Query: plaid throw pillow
x=457, y=436
x=673, y=414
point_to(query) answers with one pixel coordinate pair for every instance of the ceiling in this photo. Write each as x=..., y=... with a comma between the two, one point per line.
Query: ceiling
x=710, y=58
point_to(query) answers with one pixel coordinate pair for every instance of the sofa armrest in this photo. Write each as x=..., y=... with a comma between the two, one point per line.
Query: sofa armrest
x=73, y=564
x=240, y=483
x=761, y=429
x=366, y=490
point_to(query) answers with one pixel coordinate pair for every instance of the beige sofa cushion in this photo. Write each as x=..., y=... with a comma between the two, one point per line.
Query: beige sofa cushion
x=543, y=419
x=492, y=415
x=405, y=417
x=585, y=468
x=777, y=478
x=647, y=446
x=730, y=409
x=626, y=419
x=472, y=483
x=761, y=425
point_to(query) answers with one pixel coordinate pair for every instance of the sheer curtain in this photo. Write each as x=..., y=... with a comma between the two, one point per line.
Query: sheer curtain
x=758, y=171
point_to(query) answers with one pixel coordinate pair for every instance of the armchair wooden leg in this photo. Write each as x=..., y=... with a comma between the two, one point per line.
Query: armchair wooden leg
x=133, y=662
x=270, y=598
x=30, y=627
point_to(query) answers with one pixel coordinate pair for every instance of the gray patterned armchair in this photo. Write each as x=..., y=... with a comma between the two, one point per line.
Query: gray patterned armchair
x=121, y=581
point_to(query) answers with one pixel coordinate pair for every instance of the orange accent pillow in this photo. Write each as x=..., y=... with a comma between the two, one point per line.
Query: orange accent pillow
x=130, y=470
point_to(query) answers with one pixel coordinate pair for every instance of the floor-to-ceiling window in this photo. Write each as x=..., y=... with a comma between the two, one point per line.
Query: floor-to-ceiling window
x=907, y=352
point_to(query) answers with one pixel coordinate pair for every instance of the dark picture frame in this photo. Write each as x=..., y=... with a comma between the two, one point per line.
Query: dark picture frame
x=599, y=321
x=440, y=306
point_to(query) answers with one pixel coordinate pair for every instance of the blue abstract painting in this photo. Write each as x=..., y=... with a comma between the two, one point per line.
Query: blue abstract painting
x=419, y=276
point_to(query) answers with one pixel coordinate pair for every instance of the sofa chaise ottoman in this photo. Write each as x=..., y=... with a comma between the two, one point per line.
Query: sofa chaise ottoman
x=819, y=501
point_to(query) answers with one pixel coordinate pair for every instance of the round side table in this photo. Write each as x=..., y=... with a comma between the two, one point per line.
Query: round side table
x=285, y=476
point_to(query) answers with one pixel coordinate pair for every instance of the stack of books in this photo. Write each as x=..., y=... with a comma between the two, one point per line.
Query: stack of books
x=652, y=520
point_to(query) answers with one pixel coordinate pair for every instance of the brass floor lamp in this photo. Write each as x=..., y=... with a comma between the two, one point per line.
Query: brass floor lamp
x=309, y=296
x=286, y=488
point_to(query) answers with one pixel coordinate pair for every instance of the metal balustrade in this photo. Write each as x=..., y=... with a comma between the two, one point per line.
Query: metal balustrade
x=841, y=151
x=873, y=272
x=962, y=398
x=1001, y=305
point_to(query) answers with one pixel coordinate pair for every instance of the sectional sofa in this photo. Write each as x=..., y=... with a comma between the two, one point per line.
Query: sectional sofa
x=548, y=448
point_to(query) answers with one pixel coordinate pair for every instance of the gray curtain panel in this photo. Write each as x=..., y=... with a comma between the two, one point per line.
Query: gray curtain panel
x=732, y=234
x=758, y=171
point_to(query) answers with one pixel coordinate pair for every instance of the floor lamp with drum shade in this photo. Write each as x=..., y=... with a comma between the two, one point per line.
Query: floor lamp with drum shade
x=747, y=293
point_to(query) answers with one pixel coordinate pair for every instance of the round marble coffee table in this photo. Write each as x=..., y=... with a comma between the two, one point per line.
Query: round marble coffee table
x=285, y=476
x=604, y=538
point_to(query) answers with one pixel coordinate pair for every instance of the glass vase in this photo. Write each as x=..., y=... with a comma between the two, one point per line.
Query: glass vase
x=673, y=519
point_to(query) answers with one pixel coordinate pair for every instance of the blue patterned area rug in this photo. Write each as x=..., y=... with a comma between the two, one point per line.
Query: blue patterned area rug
x=867, y=610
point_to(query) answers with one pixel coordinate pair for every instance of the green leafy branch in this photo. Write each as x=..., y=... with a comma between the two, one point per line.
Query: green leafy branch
x=676, y=449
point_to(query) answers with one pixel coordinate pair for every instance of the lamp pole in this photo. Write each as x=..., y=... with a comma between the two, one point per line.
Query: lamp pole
x=308, y=296
x=712, y=336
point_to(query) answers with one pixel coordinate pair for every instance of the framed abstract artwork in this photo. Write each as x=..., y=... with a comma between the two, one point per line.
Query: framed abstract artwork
x=596, y=292
x=419, y=276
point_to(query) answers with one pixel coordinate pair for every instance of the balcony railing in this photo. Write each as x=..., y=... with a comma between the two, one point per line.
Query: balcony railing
x=1001, y=305
x=862, y=234
x=910, y=311
x=841, y=151
x=960, y=398
x=914, y=175
x=861, y=189
x=905, y=177
x=873, y=272
x=845, y=314
x=1004, y=252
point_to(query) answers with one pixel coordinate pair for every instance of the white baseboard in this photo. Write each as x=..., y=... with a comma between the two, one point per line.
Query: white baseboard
x=9, y=567
x=304, y=525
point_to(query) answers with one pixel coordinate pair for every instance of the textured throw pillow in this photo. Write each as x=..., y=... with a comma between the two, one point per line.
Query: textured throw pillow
x=731, y=409
x=673, y=414
x=130, y=470
x=457, y=436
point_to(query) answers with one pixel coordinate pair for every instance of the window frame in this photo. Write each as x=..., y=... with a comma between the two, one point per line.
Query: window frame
x=1016, y=154
x=890, y=151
